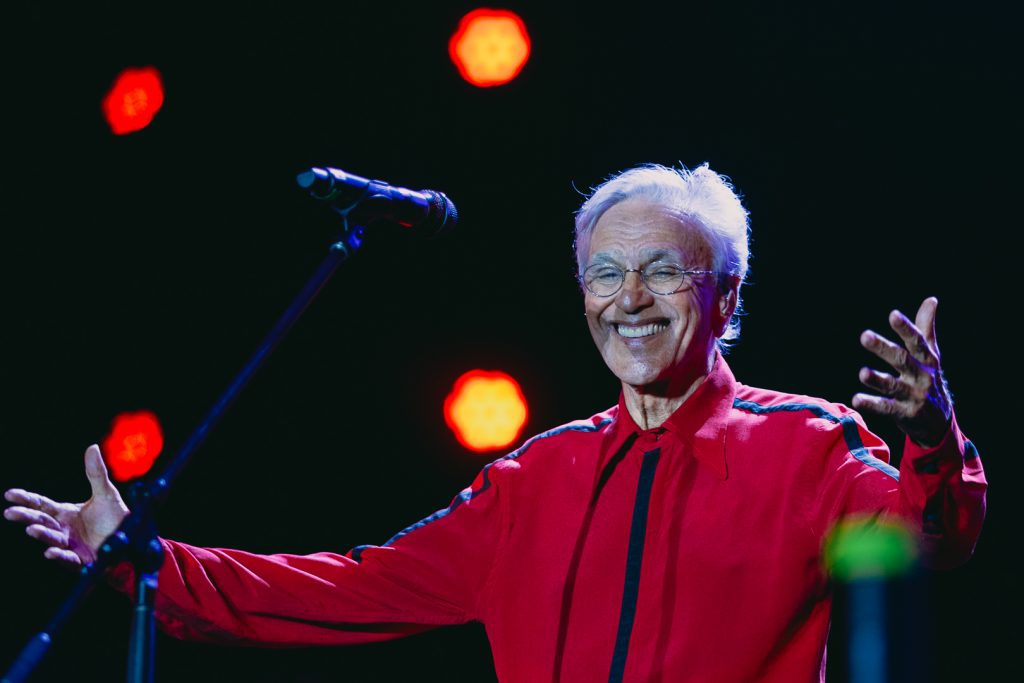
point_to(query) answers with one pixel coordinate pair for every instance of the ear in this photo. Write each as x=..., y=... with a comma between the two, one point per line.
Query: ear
x=726, y=299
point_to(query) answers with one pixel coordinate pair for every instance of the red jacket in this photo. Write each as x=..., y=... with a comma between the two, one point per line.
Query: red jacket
x=600, y=551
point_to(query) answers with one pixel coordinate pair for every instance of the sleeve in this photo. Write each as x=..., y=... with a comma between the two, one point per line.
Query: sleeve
x=938, y=493
x=430, y=574
x=942, y=490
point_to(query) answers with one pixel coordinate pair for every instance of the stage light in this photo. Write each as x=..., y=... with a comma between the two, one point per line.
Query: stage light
x=490, y=47
x=133, y=100
x=131, y=447
x=486, y=410
x=863, y=547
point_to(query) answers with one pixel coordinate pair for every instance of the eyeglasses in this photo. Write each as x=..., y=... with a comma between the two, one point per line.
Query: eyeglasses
x=605, y=280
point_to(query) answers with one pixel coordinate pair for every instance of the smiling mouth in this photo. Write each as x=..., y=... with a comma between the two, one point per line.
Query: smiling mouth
x=636, y=331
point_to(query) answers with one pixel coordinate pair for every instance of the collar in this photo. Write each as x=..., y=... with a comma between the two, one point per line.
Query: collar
x=701, y=421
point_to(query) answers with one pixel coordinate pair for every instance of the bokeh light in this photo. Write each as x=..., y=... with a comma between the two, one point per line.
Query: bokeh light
x=486, y=410
x=133, y=100
x=490, y=47
x=862, y=547
x=134, y=442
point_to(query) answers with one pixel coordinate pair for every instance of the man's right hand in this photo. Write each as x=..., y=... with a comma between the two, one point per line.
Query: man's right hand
x=72, y=532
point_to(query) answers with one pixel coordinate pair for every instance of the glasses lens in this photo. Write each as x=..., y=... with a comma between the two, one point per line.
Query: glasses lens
x=664, y=278
x=602, y=280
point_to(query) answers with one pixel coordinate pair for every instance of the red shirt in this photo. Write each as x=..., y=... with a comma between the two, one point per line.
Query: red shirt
x=601, y=551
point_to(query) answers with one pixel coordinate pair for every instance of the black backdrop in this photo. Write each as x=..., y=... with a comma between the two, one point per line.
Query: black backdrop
x=875, y=146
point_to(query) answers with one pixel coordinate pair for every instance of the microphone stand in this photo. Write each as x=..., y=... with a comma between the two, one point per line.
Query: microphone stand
x=136, y=539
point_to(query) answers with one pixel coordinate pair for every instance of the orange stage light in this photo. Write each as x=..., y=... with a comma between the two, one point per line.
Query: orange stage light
x=134, y=441
x=133, y=100
x=490, y=47
x=486, y=410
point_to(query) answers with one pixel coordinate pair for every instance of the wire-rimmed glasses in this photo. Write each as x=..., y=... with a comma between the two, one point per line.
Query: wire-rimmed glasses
x=605, y=279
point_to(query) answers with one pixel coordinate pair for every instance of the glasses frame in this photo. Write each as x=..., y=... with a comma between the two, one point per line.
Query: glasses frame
x=643, y=278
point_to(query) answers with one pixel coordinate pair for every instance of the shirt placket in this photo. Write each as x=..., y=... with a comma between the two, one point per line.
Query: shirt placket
x=649, y=445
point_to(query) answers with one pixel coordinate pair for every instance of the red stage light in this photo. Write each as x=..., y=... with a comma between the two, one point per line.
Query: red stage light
x=133, y=100
x=486, y=410
x=490, y=47
x=134, y=441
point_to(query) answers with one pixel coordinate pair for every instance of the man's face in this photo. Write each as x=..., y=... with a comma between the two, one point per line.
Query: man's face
x=648, y=339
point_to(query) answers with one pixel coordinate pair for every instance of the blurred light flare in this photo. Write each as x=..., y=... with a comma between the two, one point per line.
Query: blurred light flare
x=866, y=547
x=486, y=410
x=490, y=47
x=133, y=444
x=133, y=100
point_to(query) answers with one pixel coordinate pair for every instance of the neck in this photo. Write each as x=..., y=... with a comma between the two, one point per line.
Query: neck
x=650, y=405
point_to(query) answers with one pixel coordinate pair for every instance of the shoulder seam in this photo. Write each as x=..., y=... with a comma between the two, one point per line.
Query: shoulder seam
x=851, y=431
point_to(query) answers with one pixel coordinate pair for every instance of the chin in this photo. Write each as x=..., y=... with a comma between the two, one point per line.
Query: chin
x=638, y=376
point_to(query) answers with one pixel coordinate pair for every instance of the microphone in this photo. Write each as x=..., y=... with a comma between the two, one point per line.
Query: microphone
x=364, y=201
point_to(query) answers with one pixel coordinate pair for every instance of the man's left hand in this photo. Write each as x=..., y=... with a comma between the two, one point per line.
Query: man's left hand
x=916, y=396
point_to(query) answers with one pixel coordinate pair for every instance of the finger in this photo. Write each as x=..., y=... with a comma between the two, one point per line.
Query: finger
x=893, y=354
x=62, y=555
x=96, y=471
x=47, y=536
x=925, y=321
x=30, y=516
x=877, y=404
x=33, y=500
x=15, y=496
x=882, y=382
x=912, y=338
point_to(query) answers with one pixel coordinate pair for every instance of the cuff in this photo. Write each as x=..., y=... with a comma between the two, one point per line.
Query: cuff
x=943, y=459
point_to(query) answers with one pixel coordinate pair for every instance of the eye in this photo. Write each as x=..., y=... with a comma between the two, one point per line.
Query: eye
x=603, y=274
x=663, y=273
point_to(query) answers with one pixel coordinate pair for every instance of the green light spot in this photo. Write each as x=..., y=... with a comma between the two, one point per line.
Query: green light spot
x=869, y=547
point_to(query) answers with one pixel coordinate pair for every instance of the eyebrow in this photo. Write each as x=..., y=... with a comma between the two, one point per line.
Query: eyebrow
x=662, y=255
x=649, y=256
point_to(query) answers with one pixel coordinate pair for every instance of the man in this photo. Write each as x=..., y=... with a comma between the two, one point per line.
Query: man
x=674, y=537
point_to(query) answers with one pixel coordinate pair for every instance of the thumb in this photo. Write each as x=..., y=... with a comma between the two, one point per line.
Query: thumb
x=96, y=471
x=926, y=321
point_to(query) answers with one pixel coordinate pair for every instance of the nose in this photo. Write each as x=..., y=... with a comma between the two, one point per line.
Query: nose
x=634, y=295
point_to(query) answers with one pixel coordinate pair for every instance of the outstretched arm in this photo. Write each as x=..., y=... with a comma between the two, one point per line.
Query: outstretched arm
x=432, y=574
x=942, y=485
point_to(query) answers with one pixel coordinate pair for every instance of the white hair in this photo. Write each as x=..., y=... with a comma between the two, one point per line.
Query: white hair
x=702, y=197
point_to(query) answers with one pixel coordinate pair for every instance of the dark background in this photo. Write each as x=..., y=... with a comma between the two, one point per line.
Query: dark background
x=876, y=147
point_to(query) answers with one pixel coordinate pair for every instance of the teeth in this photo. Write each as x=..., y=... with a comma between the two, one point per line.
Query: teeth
x=640, y=331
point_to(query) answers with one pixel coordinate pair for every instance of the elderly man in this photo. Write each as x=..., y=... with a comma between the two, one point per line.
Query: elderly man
x=675, y=536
